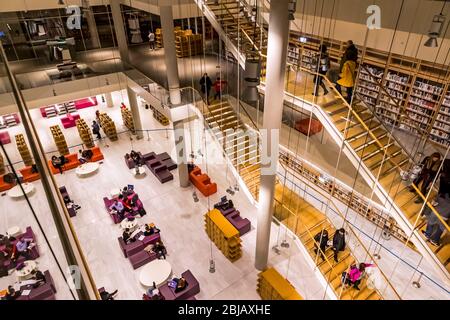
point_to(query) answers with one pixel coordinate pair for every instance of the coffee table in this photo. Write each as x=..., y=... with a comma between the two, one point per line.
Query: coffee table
x=14, y=231
x=25, y=272
x=16, y=191
x=138, y=171
x=157, y=271
x=127, y=224
x=87, y=169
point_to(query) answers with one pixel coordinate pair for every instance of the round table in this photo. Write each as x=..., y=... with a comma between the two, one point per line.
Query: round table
x=127, y=224
x=16, y=192
x=14, y=231
x=115, y=192
x=157, y=271
x=87, y=169
x=138, y=171
x=25, y=272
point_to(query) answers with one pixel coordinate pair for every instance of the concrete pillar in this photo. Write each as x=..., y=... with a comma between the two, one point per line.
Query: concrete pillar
x=134, y=107
x=278, y=37
x=170, y=56
x=120, y=30
x=109, y=100
x=89, y=15
x=181, y=150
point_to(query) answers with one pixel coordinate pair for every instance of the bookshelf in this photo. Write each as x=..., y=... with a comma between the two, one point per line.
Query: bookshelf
x=273, y=286
x=60, y=140
x=108, y=126
x=159, y=116
x=85, y=133
x=23, y=149
x=127, y=119
x=2, y=165
x=224, y=235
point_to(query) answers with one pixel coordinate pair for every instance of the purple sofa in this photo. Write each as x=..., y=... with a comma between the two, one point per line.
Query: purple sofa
x=64, y=193
x=34, y=252
x=108, y=203
x=193, y=287
x=234, y=216
x=43, y=292
x=138, y=245
x=141, y=258
x=159, y=170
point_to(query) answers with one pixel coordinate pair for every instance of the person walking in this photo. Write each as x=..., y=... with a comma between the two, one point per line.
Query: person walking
x=355, y=274
x=338, y=243
x=205, y=86
x=219, y=86
x=347, y=76
x=430, y=166
x=444, y=181
x=435, y=227
x=96, y=129
x=322, y=65
x=320, y=242
x=151, y=40
x=350, y=49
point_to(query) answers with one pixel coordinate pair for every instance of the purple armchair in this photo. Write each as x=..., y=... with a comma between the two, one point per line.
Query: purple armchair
x=108, y=203
x=242, y=224
x=193, y=287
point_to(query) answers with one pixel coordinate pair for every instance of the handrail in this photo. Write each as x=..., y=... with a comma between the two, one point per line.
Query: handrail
x=351, y=229
x=248, y=115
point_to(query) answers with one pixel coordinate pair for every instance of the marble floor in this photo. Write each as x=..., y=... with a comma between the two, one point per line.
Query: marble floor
x=170, y=207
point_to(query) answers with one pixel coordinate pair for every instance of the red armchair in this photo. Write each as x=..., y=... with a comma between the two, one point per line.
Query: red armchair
x=28, y=175
x=202, y=182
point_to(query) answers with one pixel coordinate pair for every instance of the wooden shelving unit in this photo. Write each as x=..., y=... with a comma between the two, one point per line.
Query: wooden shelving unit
x=127, y=119
x=60, y=140
x=2, y=165
x=158, y=38
x=85, y=133
x=23, y=149
x=224, y=235
x=273, y=286
x=159, y=116
x=108, y=126
x=188, y=44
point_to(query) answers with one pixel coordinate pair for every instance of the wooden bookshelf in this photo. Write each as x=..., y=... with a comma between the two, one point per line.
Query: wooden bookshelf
x=127, y=119
x=273, y=286
x=108, y=126
x=224, y=235
x=85, y=133
x=159, y=116
x=2, y=165
x=188, y=44
x=60, y=140
x=159, y=36
x=23, y=149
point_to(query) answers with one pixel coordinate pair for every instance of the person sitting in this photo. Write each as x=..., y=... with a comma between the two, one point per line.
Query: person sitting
x=118, y=207
x=3, y=268
x=11, y=294
x=181, y=285
x=160, y=249
x=355, y=274
x=150, y=229
x=136, y=158
x=126, y=236
x=190, y=166
x=39, y=277
x=23, y=247
x=81, y=159
x=57, y=163
x=70, y=204
x=105, y=295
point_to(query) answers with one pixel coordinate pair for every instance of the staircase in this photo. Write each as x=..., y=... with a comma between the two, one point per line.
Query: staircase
x=365, y=138
x=240, y=145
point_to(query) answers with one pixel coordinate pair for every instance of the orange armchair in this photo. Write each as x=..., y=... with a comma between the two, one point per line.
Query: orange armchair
x=5, y=186
x=29, y=176
x=202, y=182
x=97, y=154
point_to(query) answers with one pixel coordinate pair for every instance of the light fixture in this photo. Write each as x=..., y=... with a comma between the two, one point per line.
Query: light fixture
x=194, y=196
x=212, y=266
x=284, y=244
x=292, y=7
x=251, y=79
x=230, y=191
x=302, y=39
x=435, y=31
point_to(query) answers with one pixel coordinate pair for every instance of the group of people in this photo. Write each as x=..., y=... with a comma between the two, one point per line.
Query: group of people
x=83, y=156
x=127, y=204
x=36, y=279
x=148, y=230
x=321, y=65
x=206, y=84
x=12, y=251
x=321, y=243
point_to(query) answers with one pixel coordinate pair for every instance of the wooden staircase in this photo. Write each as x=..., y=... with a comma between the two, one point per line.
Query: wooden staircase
x=380, y=155
x=306, y=221
x=239, y=144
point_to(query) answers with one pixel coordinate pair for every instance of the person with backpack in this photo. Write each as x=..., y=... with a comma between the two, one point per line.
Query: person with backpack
x=320, y=242
x=338, y=243
x=96, y=129
x=321, y=66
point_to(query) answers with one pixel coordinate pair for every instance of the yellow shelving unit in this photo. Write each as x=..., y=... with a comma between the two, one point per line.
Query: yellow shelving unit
x=23, y=150
x=60, y=140
x=224, y=235
x=127, y=119
x=85, y=133
x=273, y=286
x=159, y=116
x=108, y=126
x=2, y=165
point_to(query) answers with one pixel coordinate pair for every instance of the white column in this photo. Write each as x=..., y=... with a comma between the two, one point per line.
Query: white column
x=119, y=29
x=109, y=100
x=276, y=66
x=91, y=24
x=180, y=147
x=134, y=107
x=170, y=56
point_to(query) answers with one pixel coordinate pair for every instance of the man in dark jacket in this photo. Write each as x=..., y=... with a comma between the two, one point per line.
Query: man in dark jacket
x=205, y=86
x=435, y=227
x=321, y=240
x=338, y=243
x=430, y=167
x=350, y=47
